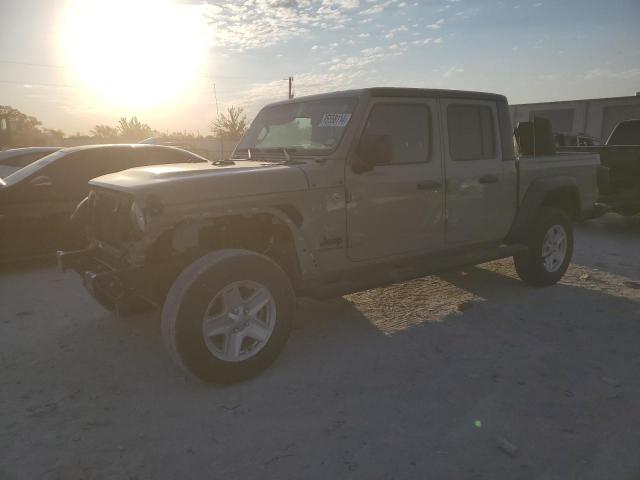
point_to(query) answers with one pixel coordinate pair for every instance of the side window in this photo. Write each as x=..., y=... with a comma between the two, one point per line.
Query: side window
x=120, y=158
x=409, y=127
x=24, y=160
x=184, y=157
x=158, y=156
x=71, y=173
x=471, y=132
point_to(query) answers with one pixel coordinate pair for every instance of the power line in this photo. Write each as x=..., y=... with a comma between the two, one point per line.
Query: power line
x=61, y=85
x=38, y=84
x=47, y=65
x=50, y=65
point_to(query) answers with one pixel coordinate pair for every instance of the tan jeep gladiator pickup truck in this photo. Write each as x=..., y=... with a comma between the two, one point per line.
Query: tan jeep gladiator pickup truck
x=325, y=195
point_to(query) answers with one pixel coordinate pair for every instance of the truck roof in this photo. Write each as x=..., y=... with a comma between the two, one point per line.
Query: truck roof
x=400, y=92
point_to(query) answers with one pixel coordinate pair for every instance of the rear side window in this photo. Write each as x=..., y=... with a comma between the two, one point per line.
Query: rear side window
x=471, y=132
x=160, y=156
x=626, y=133
x=561, y=119
x=409, y=127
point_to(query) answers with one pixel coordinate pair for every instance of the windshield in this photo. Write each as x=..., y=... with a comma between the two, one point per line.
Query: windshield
x=626, y=133
x=316, y=125
x=33, y=168
x=22, y=158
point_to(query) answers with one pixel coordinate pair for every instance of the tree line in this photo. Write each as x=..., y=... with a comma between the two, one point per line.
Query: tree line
x=26, y=130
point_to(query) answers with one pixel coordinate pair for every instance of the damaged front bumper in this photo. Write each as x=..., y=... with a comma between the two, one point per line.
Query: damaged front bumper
x=104, y=279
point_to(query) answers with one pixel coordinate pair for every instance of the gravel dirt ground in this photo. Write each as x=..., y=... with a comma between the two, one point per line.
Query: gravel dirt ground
x=467, y=375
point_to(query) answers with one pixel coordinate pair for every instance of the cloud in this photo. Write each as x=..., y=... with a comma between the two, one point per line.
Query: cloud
x=448, y=73
x=249, y=24
x=366, y=57
x=391, y=33
x=437, y=25
x=605, y=74
x=259, y=94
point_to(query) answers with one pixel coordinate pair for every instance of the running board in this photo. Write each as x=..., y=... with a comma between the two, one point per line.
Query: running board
x=365, y=278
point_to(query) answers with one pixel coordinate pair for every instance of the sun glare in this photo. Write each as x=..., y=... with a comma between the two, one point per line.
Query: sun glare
x=134, y=53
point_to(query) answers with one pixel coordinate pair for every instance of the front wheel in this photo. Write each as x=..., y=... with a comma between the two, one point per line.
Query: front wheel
x=228, y=315
x=550, y=249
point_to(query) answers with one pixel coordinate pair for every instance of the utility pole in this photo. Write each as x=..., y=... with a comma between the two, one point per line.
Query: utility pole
x=290, y=88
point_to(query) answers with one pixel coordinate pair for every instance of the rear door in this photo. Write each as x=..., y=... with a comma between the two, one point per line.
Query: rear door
x=477, y=207
x=44, y=201
x=397, y=208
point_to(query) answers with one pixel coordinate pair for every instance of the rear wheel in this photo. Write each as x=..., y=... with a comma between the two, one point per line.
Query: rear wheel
x=228, y=315
x=550, y=249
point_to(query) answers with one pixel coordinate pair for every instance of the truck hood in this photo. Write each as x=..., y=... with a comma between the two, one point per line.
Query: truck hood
x=192, y=182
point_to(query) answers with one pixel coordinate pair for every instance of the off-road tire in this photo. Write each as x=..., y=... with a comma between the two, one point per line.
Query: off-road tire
x=189, y=298
x=530, y=264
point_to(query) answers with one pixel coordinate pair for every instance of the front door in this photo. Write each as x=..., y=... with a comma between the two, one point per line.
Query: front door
x=397, y=208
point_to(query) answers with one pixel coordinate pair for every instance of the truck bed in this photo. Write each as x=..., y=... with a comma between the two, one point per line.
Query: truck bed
x=582, y=167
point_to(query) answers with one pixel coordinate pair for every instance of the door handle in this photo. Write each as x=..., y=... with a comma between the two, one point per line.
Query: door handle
x=484, y=179
x=429, y=185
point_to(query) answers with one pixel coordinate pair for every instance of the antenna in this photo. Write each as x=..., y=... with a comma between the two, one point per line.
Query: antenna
x=215, y=96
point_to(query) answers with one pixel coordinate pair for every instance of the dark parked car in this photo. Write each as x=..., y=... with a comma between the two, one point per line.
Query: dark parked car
x=36, y=201
x=621, y=155
x=14, y=159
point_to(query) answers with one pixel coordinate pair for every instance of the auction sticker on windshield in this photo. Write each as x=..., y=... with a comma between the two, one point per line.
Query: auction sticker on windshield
x=335, y=120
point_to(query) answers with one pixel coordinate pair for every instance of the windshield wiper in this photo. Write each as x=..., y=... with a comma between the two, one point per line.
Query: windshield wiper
x=285, y=150
x=224, y=161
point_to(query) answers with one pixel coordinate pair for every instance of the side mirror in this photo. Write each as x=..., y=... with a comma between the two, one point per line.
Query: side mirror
x=373, y=150
x=41, y=181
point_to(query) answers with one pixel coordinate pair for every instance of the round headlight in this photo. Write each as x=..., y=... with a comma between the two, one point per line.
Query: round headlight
x=137, y=217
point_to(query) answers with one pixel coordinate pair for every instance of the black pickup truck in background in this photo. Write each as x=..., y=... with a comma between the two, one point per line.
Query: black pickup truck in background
x=621, y=154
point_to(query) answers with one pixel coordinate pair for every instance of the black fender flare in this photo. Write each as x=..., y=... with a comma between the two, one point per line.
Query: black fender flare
x=186, y=232
x=534, y=198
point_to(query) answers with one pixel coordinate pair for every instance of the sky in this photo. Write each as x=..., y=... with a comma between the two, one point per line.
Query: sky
x=75, y=64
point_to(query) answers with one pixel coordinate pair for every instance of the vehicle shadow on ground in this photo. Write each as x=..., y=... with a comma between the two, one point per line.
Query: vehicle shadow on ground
x=613, y=223
x=27, y=265
x=495, y=301
x=419, y=376
x=617, y=239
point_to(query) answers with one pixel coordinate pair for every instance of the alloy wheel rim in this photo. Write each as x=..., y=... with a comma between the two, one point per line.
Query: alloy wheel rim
x=554, y=248
x=239, y=321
